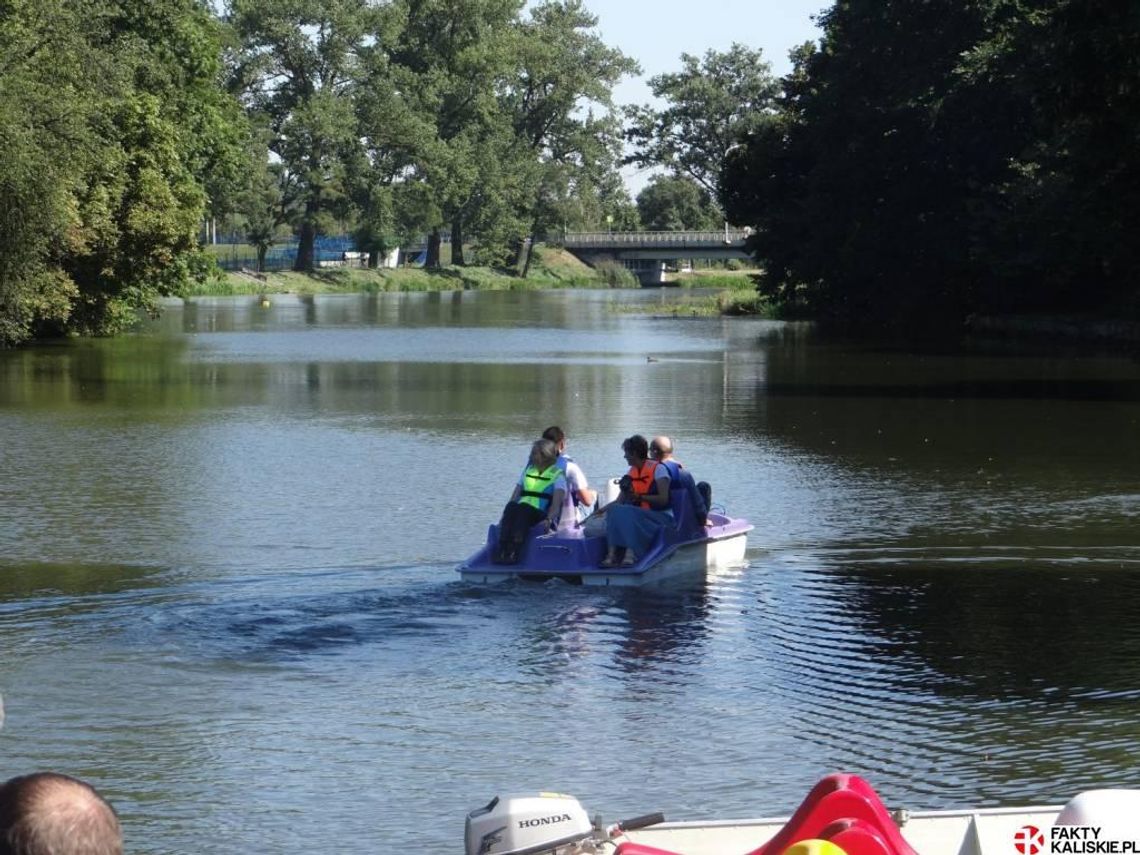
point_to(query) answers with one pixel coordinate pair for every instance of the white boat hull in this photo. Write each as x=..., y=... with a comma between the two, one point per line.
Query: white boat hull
x=951, y=832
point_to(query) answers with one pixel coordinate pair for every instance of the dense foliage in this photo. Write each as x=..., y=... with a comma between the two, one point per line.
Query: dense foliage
x=125, y=123
x=932, y=160
x=113, y=125
x=672, y=203
x=710, y=106
x=923, y=162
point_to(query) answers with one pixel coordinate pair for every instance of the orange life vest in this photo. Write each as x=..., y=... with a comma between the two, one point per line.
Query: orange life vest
x=643, y=480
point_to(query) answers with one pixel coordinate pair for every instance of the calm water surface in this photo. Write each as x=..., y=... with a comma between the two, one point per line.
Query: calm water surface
x=227, y=593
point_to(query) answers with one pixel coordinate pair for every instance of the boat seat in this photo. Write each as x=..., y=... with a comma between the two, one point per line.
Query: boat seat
x=839, y=797
x=631, y=848
x=814, y=847
x=856, y=837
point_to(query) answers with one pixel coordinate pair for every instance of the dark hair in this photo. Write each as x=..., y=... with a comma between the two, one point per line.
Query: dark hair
x=554, y=434
x=46, y=813
x=636, y=445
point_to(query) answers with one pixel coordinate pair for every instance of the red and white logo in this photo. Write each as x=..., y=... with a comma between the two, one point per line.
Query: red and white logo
x=1029, y=840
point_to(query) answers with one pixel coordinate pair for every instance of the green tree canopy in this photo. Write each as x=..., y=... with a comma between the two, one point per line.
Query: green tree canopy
x=933, y=160
x=671, y=203
x=712, y=104
x=300, y=65
x=113, y=122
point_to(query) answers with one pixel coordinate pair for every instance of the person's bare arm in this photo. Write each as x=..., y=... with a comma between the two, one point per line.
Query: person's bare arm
x=556, y=500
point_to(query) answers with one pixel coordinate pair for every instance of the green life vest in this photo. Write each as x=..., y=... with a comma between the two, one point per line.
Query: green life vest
x=538, y=487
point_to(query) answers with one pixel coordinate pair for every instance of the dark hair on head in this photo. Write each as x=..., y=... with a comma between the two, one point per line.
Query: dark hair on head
x=46, y=813
x=554, y=434
x=637, y=445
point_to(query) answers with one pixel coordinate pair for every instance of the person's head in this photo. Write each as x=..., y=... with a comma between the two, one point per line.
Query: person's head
x=556, y=435
x=543, y=454
x=661, y=448
x=636, y=449
x=46, y=813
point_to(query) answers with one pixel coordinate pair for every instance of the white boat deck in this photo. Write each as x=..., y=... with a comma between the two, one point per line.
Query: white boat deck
x=950, y=832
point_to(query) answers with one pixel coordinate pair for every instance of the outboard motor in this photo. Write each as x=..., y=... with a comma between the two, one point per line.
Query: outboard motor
x=518, y=825
x=546, y=824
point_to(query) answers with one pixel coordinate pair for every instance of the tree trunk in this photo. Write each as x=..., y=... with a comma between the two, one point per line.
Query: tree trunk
x=529, y=255
x=519, y=247
x=262, y=249
x=432, y=259
x=305, y=246
x=457, y=243
x=373, y=259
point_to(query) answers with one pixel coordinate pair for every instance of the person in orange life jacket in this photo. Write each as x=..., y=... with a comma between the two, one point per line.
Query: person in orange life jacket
x=700, y=493
x=642, y=507
x=538, y=497
x=578, y=493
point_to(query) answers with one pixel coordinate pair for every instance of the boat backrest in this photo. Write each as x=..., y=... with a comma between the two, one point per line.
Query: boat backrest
x=856, y=837
x=692, y=507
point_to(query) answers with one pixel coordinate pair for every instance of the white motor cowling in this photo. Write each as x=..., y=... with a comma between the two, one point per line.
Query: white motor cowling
x=526, y=825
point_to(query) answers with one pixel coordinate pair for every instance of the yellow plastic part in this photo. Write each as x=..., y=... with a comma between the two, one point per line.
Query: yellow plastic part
x=814, y=847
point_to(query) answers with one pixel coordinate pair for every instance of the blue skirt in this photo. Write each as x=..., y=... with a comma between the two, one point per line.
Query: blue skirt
x=634, y=527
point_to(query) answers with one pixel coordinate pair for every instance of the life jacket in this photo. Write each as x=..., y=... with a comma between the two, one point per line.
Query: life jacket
x=681, y=483
x=643, y=481
x=538, y=487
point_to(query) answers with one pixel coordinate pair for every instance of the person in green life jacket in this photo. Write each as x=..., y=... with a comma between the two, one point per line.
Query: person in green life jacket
x=537, y=497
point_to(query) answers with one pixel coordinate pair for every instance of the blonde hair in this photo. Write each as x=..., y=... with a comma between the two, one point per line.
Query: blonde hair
x=543, y=454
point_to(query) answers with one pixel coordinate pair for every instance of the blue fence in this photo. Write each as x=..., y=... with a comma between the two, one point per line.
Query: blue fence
x=234, y=256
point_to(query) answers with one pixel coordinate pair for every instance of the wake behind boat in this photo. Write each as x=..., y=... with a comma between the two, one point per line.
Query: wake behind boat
x=685, y=547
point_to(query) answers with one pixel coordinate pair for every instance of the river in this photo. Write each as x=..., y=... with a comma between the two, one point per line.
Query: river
x=227, y=594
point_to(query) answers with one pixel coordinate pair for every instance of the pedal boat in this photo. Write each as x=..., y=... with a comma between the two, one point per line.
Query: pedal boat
x=685, y=548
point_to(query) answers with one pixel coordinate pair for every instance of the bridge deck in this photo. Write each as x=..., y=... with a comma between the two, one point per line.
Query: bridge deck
x=656, y=240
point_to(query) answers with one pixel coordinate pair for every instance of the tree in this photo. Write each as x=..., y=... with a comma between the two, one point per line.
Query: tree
x=712, y=105
x=300, y=65
x=44, y=135
x=111, y=116
x=1055, y=227
x=561, y=110
x=452, y=57
x=987, y=164
x=670, y=203
x=859, y=191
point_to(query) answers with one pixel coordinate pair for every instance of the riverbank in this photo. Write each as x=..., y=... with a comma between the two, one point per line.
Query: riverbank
x=551, y=268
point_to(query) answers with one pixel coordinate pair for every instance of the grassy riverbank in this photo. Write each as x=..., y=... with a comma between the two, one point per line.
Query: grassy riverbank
x=551, y=268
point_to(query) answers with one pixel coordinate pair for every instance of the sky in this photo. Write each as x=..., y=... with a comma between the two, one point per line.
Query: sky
x=657, y=32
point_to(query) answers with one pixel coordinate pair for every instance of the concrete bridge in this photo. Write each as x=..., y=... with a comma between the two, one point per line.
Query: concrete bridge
x=646, y=254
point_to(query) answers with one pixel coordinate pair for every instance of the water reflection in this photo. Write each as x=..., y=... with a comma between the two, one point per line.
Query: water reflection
x=238, y=530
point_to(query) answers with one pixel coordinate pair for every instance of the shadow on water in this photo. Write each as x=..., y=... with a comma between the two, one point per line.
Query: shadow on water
x=1060, y=389
x=1030, y=630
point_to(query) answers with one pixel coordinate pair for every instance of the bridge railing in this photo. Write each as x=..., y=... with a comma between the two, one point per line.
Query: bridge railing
x=679, y=240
